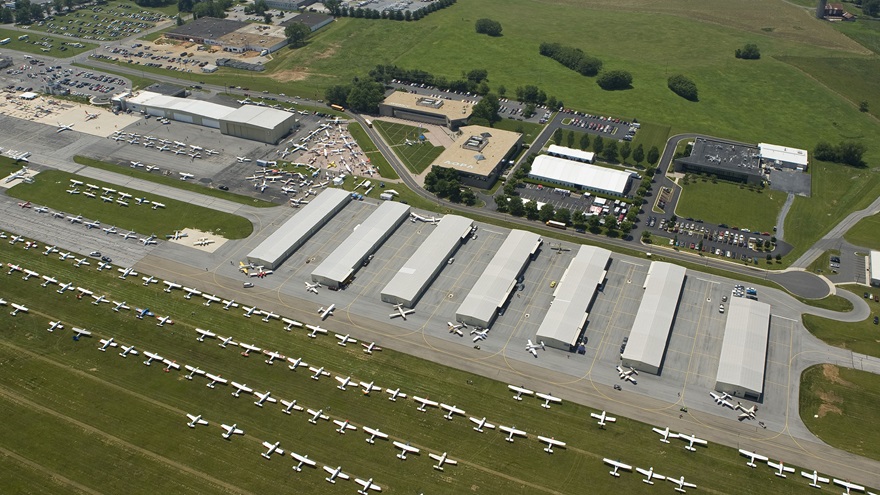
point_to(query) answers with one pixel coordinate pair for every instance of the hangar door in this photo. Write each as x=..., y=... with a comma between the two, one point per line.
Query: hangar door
x=156, y=112
x=211, y=123
x=182, y=117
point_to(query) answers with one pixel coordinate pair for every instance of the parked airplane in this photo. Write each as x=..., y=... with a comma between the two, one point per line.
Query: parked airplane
x=481, y=423
x=126, y=350
x=239, y=388
x=369, y=348
x=26, y=204
x=343, y=426
x=169, y=365
x=520, y=391
x=480, y=334
x=303, y=460
x=41, y=209
x=152, y=357
x=319, y=372
x=682, y=484
x=250, y=311
x=126, y=272
x=617, y=466
x=55, y=325
x=747, y=413
x=163, y=320
x=603, y=418
x=268, y=315
x=29, y=273
x=400, y=312
x=450, y=411
x=64, y=256
x=315, y=330
x=63, y=127
x=231, y=430
x=780, y=468
x=551, y=442
x=650, y=475
x=533, y=348
x=369, y=387
x=344, y=339
x=335, y=473
x=752, y=458
x=242, y=159
x=209, y=298
x=511, y=432
x=367, y=486
x=849, y=486
x=345, y=382
x=203, y=334
x=316, y=415
x=191, y=292
x=248, y=348
x=273, y=449
x=120, y=305
x=666, y=434
x=312, y=287
x=203, y=241
x=104, y=266
x=814, y=478
x=424, y=403
x=326, y=312
x=229, y=304
x=215, y=379
x=141, y=312
x=107, y=343
x=547, y=398
x=691, y=441
x=224, y=341
x=148, y=241
x=176, y=235
x=49, y=250
x=395, y=394
x=290, y=406
x=296, y=363
x=405, y=448
x=169, y=286
x=374, y=434
x=185, y=176
x=80, y=332
x=193, y=371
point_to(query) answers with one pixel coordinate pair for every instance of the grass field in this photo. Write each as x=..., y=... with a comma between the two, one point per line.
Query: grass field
x=369, y=148
x=850, y=77
x=416, y=156
x=866, y=233
x=726, y=203
x=529, y=130
x=8, y=166
x=170, y=181
x=845, y=401
x=29, y=46
x=864, y=32
x=138, y=436
x=859, y=337
x=85, y=22
x=49, y=188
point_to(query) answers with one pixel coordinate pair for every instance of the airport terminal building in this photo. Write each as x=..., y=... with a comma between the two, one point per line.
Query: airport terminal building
x=419, y=108
x=744, y=349
x=480, y=154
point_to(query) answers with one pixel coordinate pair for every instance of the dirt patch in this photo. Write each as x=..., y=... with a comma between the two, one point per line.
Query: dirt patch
x=291, y=75
x=832, y=374
x=829, y=403
x=329, y=52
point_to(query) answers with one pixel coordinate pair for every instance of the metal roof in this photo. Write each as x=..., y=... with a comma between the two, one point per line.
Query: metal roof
x=499, y=277
x=582, y=174
x=297, y=229
x=783, y=154
x=194, y=107
x=484, y=160
x=875, y=265
x=566, y=152
x=744, y=349
x=347, y=257
x=264, y=117
x=565, y=318
x=653, y=322
x=412, y=278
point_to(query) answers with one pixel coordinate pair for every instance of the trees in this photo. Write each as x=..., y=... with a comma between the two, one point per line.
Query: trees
x=639, y=154
x=614, y=80
x=546, y=213
x=579, y=220
x=501, y=203
x=653, y=155
x=610, y=151
x=847, y=152
x=337, y=95
x=365, y=96
x=515, y=206
x=486, y=109
x=598, y=145
x=749, y=52
x=563, y=215
x=297, y=33
x=871, y=7
x=625, y=151
x=573, y=58
x=531, y=210
x=585, y=141
x=557, y=136
x=683, y=86
x=502, y=90
x=6, y=15
x=863, y=105
x=488, y=27
x=569, y=139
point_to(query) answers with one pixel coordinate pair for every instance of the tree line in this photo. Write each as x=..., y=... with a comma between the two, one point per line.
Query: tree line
x=571, y=57
x=338, y=9
x=473, y=81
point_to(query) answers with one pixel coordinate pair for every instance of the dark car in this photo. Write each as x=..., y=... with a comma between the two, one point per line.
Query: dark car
x=223, y=188
x=106, y=259
x=877, y=320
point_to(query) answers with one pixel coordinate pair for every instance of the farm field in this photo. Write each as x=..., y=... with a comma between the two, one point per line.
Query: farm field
x=866, y=233
x=30, y=46
x=139, y=437
x=417, y=155
x=726, y=203
x=49, y=189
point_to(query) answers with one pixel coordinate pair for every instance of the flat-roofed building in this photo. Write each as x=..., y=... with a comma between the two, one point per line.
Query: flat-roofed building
x=254, y=37
x=313, y=20
x=571, y=154
x=197, y=112
x=414, y=277
x=726, y=160
x=421, y=108
x=498, y=280
x=653, y=323
x=341, y=265
x=205, y=30
x=263, y=124
x=744, y=349
x=574, y=294
x=580, y=175
x=874, y=262
x=299, y=228
x=783, y=157
x=480, y=154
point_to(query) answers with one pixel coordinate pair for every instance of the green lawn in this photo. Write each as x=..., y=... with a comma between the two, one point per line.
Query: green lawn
x=726, y=203
x=850, y=77
x=529, y=130
x=845, y=400
x=8, y=166
x=866, y=233
x=864, y=32
x=138, y=433
x=416, y=154
x=49, y=188
x=83, y=23
x=372, y=153
x=55, y=44
x=859, y=337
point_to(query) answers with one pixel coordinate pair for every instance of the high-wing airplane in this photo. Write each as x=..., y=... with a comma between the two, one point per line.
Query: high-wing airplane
x=650, y=475
x=369, y=348
x=367, y=486
x=13, y=268
x=374, y=434
x=64, y=256
x=345, y=382
x=721, y=399
x=128, y=235
x=603, y=419
x=195, y=420
x=848, y=486
x=231, y=430
x=229, y=304
x=520, y=391
x=242, y=159
x=169, y=286
x=99, y=299
x=104, y=266
x=343, y=426
x=215, y=379
x=157, y=204
x=747, y=413
x=126, y=272
x=289, y=324
x=151, y=356
x=64, y=127
x=176, y=235
x=209, y=298
x=326, y=312
x=163, y=320
x=41, y=209
x=617, y=466
x=334, y=474
x=83, y=292
x=533, y=348
x=126, y=350
x=682, y=484
x=193, y=371
x=76, y=219
x=110, y=230
x=691, y=441
x=55, y=325
x=551, y=442
x=316, y=415
x=105, y=343
x=815, y=479
x=547, y=398
x=312, y=287
x=290, y=406
x=303, y=460
x=366, y=387
x=273, y=449
x=666, y=434
x=149, y=280
x=424, y=403
x=224, y=341
x=780, y=468
x=441, y=460
x=272, y=356
x=191, y=292
x=752, y=458
x=318, y=372
x=451, y=411
x=29, y=273
x=120, y=305
x=240, y=388
x=80, y=332
x=401, y=312
x=185, y=176
x=268, y=315
x=481, y=423
x=148, y=241
x=405, y=448
x=250, y=311
x=18, y=308
x=395, y=394
x=49, y=250
x=92, y=225
x=344, y=339
x=296, y=363
x=203, y=334
x=315, y=330
x=170, y=365
x=248, y=348
x=511, y=432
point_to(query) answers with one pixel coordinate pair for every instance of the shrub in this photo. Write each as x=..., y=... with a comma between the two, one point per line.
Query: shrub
x=748, y=52
x=488, y=27
x=684, y=87
x=573, y=58
x=615, y=80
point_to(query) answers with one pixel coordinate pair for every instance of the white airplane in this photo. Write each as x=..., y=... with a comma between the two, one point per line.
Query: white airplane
x=65, y=287
x=296, y=363
x=511, y=432
x=481, y=423
x=405, y=449
x=547, y=398
x=849, y=486
x=104, y=266
x=239, y=388
x=99, y=299
x=242, y=159
x=215, y=379
x=273, y=449
x=231, y=430
x=815, y=479
x=480, y=335
x=367, y=486
x=84, y=292
x=312, y=287
x=343, y=426
x=395, y=394
x=163, y=320
x=135, y=164
x=203, y=334
x=248, y=348
x=315, y=330
x=335, y=473
x=203, y=241
x=451, y=411
x=18, y=308
x=326, y=312
x=209, y=298
x=747, y=413
x=177, y=235
x=151, y=356
x=170, y=365
x=76, y=219
x=126, y=350
x=424, y=403
x=780, y=468
x=345, y=382
x=164, y=147
x=195, y=420
x=603, y=418
x=303, y=460
x=49, y=250
x=318, y=372
x=250, y=311
x=120, y=305
x=64, y=127
x=316, y=415
x=110, y=230
x=92, y=225
x=169, y=286
x=344, y=339
x=441, y=460
x=721, y=399
x=627, y=374
x=650, y=475
x=185, y=176
x=126, y=272
x=191, y=292
x=29, y=273
x=74, y=182
x=369, y=387
x=272, y=356
x=533, y=348
x=666, y=434
x=148, y=241
x=752, y=458
x=400, y=312
x=374, y=434
x=268, y=315
x=157, y=205
x=107, y=343
x=128, y=235
x=520, y=391
x=80, y=332
x=617, y=466
x=290, y=406
x=15, y=239
x=229, y=304
x=682, y=484
x=193, y=371
x=55, y=325
x=551, y=442
x=691, y=441
x=369, y=348
x=90, y=116
x=289, y=324
x=224, y=341
x=179, y=152
x=13, y=268
x=64, y=256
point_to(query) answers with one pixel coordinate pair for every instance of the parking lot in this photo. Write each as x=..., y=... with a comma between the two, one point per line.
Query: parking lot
x=32, y=73
x=721, y=240
x=587, y=203
x=600, y=125
x=108, y=22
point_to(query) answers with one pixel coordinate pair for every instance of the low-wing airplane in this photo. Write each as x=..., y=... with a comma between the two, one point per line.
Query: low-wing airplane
x=400, y=312
x=110, y=230
x=41, y=209
x=203, y=334
x=345, y=339
x=533, y=348
x=547, y=398
x=666, y=434
x=682, y=484
x=250, y=311
x=92, y=225
x=319, y=372
x=90, y=116
x=520, y=391
x=64, y=127
x=369, y=348
x=64, y=256
x=480, y=334
x=451, y=411
x=369, y=387
x=126, y=272
x=104, y=266
x=273, y=449
x=481, y=423
x=13, y=268
x=752, y=458
x=815, y=479
x=551, y=442
x=603, y=419
x=49, y=250
x=248, y=348
x=242, y=159
x=395, y=394
x=240, y=388
x=344, y=426
x=176, y=235
x=148, y=241
x=441, y=460
x=312, y=287
x=780, y=468
x=316, y=415
x=424, y=403
x=405, y=448
x=691, y=439
x=195, y=420
x=511, y=432
x=193, y=371
x=169, y=286
x=326, y=312
x=126, y=350
x=120, y=306
x=367, y=486
x=848, y=486
x=374, y=434
x=315, y=330
x=747, y=413
x=140, y=313
x=296, y=363
x=290, y=406
x=151, y=356
x=149, y=280
x=18, y=308
x=163, y=320
x=15, y=239
x=334, y=474
x=231, y=430
x=128, y=235
x=617, y=466
x=345, y=382
x=106, y=343
x=229, y=304
x=55, y=325
x=99, y=299
x=215, y=379
x=224, y=341
x=650, y=475
x=302, y=460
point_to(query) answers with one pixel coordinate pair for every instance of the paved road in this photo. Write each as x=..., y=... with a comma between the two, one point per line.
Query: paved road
x=836, y=234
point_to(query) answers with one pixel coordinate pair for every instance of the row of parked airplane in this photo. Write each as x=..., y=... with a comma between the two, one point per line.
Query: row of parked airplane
x=723, y=399
x=649, y=474
x=176, y=147
x=106, y=194
x=815, y=479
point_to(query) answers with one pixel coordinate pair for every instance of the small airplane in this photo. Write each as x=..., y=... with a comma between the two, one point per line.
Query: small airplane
x=242, y=159
x=290, y=406
x=343, y=426
x=110, y=230
x=224, y=341
x=135, y=164
x=176, y=235
x=76, y=219
x=405, y=448
x=369, y=387
x=209, y=298
x=520, y=391
x=289, y=324
x=374, y=434
x=721, y=399
x=191, y=292
x=92, y=225
x=551, y=442
x=650, y=475
x=248, y=348
x=318, y=372
x=273, y=355
x=603, y=418
x=49, y=250
x=369, y=348
x=480, y=335
x=273, y=449
x=193, y=371
x=780, y=468
x=151, y=356
x=303, y=460
x=13, y=268
x=400, y=312
x=345, y=382
x=64, y=256
x=120, y=305
x=627, y=374
x=128, y=235
x=26, y=204
x=80, y=332
x=268, y=315
x=169, y=286
x=141, y=312
x=682, y=484
x=691, y=441
x=185, y=176
x=533, y=348
x=170, y=365
x=617, y=466
x=441, y=460
x=90, y=116
x=229, y=304
x=55, y=325
x=296, y=363
x=157, y=205
x=148, y=241
x=239, y=388
x=107, y=343
x=126, y=350
x=815, y=479
x=104, y=266
x=752, y=458
x=344, y=339
x=666, y=434
x=547, y=398
x=231, y=430
x=250, y=311
x=849, y=486
x=747, y=413
x=195, y=420
x=395, y=394
x=18, y=308
x=481, y=423
x=326, y=312
x=424, y=403
x=335, y=473
x=163, y=320
x=65, y=287
x=511, y=432
x=149, y=280
x=203, y=334
x=316, y=415
x=215, y=379
x=367, y=486
x=126, y=272
x=41, y=209
x=203, y=241
x=312, y=287
x=15, y=239
x=64, y=127
x=315, y=330
x=29, y=273
x=451, y=411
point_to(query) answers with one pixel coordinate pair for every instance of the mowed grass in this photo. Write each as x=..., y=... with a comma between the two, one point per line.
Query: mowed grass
x=49, y=189
x=726, y=203
x=29, y=46
x=529, y=130
x=139, y=438
x=371, y=152
x=861, y=337
x=9, y=166
x=845, y=401
x=418, y=154
x=853, y=78
x=823, y=262
x=866, y=233
x=865, y=33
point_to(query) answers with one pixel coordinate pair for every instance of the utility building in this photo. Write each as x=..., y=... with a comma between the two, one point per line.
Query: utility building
x=339, y=268
x=744, y=349
x=419, y=271
x=299, y=228
x=653, y=323
x=498, y=280
x=565, y=320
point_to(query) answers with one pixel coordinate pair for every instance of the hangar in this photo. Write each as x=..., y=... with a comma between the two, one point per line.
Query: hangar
x=579, y=175
x=573, y=296
x=498, y=280
x=744, y=349
x=783, y=157
x=421, y=108
x=874, y=263
x=263, y=124
x=480, y=154
x=571, y=153
x=416, y=274
x=299, y=228
x=653, y=322
x=340, y=265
